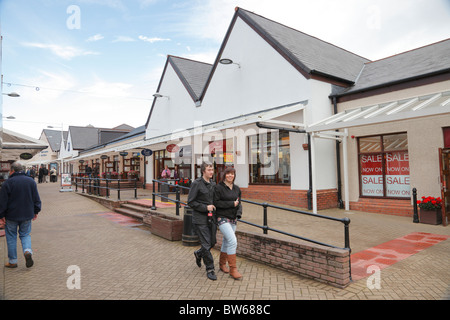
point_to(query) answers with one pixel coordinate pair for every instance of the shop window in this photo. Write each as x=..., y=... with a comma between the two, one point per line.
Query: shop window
x=384, y=166
x=269, y=156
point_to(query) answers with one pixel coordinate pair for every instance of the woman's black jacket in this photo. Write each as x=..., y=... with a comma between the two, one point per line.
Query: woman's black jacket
x=224, y=199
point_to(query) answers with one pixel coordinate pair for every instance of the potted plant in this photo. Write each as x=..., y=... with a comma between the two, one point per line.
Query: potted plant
x=114, y=175
x=184, y=182
x=430, y=210
x=133, y=174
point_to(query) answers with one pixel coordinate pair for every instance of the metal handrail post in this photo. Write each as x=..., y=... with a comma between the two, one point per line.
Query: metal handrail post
x=135, y=189
x=265, y=226
x=153, y=195
x=118, y=189
x=347, y=232
x=177, y=197
x=416, y=215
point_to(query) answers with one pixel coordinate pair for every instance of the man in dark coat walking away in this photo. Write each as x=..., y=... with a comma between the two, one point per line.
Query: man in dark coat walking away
x=19, y=206
x=200, y=199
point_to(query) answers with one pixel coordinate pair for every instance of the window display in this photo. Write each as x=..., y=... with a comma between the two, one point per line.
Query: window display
x=384, y=166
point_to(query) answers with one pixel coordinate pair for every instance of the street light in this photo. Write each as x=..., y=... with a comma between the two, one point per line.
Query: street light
x=12, y=94
x=226, y=61
x=158, y=95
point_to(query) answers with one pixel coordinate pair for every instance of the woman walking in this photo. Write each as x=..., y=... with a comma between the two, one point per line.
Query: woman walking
x=227, y=200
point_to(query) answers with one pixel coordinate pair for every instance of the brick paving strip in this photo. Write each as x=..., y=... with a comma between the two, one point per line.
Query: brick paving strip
x=120, y=260
x=388, y=253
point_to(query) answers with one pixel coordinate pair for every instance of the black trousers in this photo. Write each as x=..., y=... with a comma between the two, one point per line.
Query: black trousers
x=207, y=237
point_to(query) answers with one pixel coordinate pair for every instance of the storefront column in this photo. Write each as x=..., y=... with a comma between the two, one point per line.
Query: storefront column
x=345, y=158
x=332, y=136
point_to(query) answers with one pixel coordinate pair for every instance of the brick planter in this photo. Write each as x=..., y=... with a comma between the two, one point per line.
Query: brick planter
x=323, y=264
x=165, y=226
x=430, y=216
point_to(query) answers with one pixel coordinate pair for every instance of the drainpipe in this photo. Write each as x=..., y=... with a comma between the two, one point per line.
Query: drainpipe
x=338, y=163
x=309, y=194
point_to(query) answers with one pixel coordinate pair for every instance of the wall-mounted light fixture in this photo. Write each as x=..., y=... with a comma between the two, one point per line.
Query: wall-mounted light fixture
x=227, y=61
x=12, y=94
x=158, y=95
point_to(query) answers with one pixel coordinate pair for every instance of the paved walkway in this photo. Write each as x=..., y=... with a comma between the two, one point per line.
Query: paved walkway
x=117, y=258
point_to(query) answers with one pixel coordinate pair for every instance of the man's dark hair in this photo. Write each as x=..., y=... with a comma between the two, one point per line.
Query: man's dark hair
x=204, y=165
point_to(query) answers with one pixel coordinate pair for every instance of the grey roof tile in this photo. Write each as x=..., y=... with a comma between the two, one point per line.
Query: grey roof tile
x=193, y=74
x=420, y=62
x=309, y=53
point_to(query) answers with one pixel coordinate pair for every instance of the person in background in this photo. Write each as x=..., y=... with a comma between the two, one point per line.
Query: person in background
x=227, y=201
x=166, y=173
x=19, y=206
x=41, y=174
x=52, y=175
x=200, y=199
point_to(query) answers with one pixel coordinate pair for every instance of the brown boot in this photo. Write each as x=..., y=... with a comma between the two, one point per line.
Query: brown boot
x=10, y=265
x=223, y=262
x=233, y=269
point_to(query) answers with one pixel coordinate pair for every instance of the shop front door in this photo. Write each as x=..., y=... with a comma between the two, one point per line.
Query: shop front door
x=444, y=163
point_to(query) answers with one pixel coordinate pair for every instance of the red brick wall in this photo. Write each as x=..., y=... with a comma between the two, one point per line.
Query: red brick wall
x=326, y=199
x=323, y=264
x=386, y=206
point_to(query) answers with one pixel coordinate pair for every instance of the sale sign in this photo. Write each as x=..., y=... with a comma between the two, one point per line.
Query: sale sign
x=395, y=178
x=397, y=174
x=372, y=175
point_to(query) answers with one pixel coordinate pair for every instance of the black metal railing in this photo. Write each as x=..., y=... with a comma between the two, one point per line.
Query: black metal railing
x=95, y=185
x=265, y=227
x=164, y=190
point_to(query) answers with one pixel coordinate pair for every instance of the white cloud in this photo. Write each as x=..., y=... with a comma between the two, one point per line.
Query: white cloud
x=64, y=52
x=96, y=37
x=152, y=40
x=123, y=39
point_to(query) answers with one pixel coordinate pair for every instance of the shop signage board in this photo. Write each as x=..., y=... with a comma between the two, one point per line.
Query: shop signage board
x=146, y=152
x=172, y=148
x=66, y=182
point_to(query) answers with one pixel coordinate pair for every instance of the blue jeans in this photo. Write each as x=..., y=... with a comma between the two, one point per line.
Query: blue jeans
x=11, y=237
x=229, y=242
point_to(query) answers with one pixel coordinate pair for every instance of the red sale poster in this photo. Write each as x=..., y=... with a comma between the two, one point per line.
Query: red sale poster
x=372, y=175
x=397, y=174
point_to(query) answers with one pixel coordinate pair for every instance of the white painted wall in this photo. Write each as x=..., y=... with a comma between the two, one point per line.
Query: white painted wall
x=263, y=80
x=174, y=113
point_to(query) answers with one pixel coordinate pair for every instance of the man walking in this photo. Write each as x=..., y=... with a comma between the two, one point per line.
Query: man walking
x=19, y=205
x=200, y=199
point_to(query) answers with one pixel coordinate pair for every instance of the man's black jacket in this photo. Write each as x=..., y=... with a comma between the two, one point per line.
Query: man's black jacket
x=200, y=196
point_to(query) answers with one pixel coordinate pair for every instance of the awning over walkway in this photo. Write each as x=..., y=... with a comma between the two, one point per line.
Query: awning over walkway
x=242, y=120
x=15, y=144
x=422, y=106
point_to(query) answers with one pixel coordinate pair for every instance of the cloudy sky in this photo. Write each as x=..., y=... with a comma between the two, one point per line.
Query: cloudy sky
x=98, y=62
